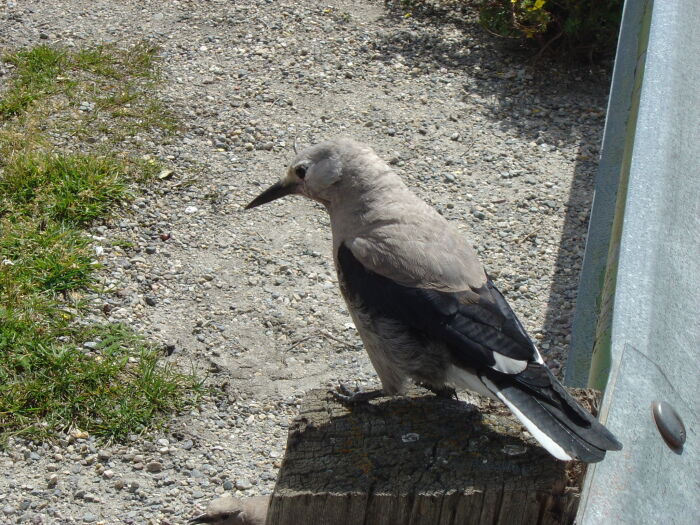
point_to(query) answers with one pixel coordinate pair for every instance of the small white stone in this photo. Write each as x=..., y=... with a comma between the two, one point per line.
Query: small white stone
x=243, y=484
x=52, y=481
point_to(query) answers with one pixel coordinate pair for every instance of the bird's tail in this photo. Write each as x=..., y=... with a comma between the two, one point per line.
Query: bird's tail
x=551, y=415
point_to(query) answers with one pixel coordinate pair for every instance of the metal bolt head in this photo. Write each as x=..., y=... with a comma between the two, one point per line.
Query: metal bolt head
x=670, y=425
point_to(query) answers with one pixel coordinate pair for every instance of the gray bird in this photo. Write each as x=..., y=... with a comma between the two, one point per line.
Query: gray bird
x=424, y=306
x=228, y=510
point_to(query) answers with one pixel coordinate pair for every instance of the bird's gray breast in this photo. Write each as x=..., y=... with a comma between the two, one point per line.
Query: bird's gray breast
x=397, y=351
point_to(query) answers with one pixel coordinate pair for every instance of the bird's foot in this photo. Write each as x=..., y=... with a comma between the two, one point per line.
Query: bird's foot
x=356, y=396
x=445, y=392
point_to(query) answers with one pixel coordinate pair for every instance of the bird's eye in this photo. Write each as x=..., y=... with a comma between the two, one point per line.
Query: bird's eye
x=300, y=171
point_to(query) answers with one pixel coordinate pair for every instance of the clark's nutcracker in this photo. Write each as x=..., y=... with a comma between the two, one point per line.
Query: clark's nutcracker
x=424, y=306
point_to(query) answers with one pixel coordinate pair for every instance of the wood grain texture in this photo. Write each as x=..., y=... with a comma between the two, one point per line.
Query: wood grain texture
x=419, y=460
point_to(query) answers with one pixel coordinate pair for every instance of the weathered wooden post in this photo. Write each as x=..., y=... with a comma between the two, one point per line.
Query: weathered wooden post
x=419, y=460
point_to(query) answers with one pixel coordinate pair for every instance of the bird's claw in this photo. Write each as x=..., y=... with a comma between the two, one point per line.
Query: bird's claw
x=356, y=396
x=445, y=392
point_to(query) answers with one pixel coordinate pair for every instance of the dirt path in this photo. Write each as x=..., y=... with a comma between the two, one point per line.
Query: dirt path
x=506, y=151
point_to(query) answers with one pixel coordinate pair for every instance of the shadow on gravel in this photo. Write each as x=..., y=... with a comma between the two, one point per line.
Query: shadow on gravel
x=548, y=103
x=541, y=101
x=567, y=267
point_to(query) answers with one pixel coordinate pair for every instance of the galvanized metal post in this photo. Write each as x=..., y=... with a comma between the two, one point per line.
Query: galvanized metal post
x=594, y=302
x=637, y=327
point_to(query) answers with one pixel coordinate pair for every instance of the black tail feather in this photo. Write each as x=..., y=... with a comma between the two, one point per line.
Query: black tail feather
x=547, y=404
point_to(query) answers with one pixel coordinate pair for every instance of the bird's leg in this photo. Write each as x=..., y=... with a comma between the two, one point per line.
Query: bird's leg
x=445, y=392
x=355, y=397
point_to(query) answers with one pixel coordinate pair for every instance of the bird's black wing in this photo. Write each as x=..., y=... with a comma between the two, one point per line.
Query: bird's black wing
x=477, y=325
x=484, y=335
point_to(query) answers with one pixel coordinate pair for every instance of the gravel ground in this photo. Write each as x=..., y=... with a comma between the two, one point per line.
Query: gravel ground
x=505, y=149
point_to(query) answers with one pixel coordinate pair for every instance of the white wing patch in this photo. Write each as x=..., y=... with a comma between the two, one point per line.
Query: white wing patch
x=508, y=365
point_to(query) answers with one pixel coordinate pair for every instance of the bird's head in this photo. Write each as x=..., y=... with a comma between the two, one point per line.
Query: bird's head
x=323, y=172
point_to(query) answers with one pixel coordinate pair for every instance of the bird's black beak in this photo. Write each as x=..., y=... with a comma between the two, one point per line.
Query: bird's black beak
x=277, y=190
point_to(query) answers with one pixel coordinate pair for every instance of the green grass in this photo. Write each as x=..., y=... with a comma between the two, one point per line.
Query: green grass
x=67, y=188
x=119, y=82
x=36, y=75
x=107, y=60
x=49, y=379
x=41, y=258
x=123, y=244
x=116, y=388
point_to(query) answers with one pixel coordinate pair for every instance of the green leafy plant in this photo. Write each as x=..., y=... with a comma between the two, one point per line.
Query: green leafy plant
x=573, y=28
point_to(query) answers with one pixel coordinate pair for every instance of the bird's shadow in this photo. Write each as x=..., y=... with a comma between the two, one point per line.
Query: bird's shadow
x=419, y=443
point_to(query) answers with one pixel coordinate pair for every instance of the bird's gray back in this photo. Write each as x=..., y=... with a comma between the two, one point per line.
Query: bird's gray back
x=396, y=234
